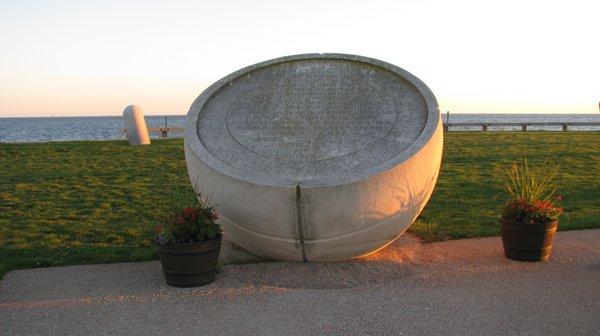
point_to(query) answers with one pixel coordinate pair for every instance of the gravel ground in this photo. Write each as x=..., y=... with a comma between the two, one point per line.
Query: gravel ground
x=462, y=287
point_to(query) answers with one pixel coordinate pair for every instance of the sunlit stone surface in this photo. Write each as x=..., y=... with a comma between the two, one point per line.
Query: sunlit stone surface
x=315, y=157
x=137, y=131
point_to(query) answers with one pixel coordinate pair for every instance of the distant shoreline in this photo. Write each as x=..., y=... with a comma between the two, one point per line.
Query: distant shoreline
x=59, y=129
x=108, y=116
x=184, y=115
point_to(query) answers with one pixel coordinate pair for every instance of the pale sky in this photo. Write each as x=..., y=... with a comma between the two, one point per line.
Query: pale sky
x=66, y=58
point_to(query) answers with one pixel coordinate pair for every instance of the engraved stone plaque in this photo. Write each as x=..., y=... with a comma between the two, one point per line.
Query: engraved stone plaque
x=315, y=157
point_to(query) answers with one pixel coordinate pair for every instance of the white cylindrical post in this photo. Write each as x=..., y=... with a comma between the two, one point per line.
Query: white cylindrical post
x=137, y=131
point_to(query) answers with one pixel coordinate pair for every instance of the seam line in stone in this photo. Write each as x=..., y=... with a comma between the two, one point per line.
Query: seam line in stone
x=299, y=223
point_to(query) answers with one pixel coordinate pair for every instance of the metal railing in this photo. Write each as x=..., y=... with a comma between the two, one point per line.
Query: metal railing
x=524, y=125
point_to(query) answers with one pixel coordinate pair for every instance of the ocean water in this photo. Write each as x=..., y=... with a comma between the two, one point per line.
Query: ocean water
x=107, y=128
x=77, y=128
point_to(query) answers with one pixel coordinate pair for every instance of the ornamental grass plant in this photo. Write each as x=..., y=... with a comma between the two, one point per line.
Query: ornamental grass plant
x=532, y=192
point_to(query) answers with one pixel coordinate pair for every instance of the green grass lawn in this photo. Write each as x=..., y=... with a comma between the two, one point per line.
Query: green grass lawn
x=82, y=202
x=468, y=195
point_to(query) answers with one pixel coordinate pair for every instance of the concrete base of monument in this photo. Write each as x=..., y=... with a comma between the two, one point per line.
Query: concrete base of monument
x=323, y=250
x=356, y=244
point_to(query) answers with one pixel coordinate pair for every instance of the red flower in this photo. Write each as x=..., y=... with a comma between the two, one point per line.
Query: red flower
x=558, y=198
x=543, y=205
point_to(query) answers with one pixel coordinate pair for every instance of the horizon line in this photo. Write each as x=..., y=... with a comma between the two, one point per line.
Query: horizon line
x=183, y=115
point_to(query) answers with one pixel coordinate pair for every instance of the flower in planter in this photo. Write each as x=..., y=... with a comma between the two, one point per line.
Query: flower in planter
x=529, y=219
x=522, y=211
x=188, y=241
x=192, y=222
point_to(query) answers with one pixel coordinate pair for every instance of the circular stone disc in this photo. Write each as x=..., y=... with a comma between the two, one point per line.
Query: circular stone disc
x=319, y=119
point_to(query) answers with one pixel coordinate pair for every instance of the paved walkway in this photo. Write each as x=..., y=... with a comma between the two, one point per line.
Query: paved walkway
x=463, y=287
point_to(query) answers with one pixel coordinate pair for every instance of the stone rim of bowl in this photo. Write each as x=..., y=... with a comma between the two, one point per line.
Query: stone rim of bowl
x=193, y=143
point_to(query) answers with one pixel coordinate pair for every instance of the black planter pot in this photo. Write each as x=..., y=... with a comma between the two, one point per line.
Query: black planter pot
x=527, y=242
x=189, y=264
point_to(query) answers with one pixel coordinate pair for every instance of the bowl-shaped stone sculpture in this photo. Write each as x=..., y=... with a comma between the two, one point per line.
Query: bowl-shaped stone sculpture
x=316, y=157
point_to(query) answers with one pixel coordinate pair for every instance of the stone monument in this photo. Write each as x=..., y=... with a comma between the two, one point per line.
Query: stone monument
x=135, y=125
x=316, y=157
